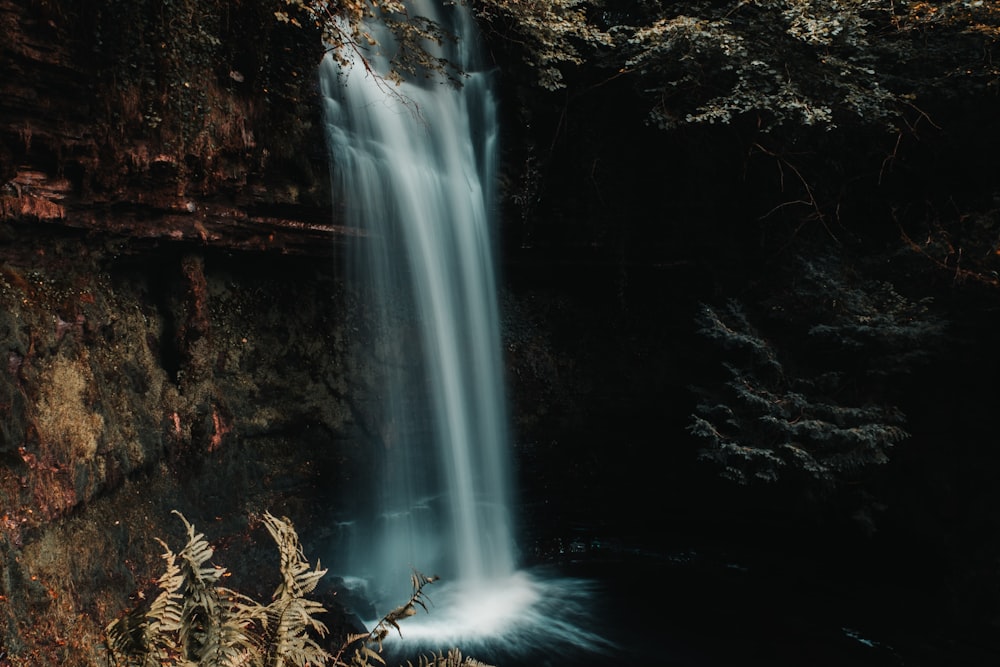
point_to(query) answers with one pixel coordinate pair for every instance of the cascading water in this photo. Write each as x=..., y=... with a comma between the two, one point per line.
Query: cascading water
x=414, y=169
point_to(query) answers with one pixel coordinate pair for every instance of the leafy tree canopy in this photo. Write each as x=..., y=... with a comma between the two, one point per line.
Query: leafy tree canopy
x=809, y=62
x=786, y=62
x=346, y=27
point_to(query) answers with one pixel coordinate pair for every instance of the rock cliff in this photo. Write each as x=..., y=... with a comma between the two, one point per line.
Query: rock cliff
x=170, y=310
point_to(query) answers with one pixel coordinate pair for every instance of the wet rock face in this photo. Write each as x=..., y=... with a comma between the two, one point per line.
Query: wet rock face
x=141, y=382
x=186, y=121
x=172, y=324
x=159, y=351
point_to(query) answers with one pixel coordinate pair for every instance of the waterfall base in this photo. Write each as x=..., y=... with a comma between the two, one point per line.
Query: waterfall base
x=507, y=622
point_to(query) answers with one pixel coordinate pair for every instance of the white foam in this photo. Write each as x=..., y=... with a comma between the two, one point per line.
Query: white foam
x=520, y=614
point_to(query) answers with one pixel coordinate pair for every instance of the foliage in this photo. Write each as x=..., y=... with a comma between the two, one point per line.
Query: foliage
x=347, y=32
x=368, y=646
x=851, y=317
x=786, y=62
x=778, y=416
x=798, y=62
x=805, y=62
x=196, y=621
x=291, y=616
x=551, y=33
x=199, y=78
x=453, y=658
x=768, y=424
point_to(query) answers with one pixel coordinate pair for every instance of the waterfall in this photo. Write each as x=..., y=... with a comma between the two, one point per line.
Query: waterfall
x=414, y=170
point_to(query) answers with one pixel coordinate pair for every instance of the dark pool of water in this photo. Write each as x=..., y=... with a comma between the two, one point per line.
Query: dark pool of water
x=691, y=607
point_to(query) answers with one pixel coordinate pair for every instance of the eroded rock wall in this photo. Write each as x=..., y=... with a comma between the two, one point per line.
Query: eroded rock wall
x=171, y=321
x=188, y=120
x=136, y=383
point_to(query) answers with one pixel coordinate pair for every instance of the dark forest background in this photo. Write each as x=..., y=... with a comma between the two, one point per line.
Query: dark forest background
x=751, y=269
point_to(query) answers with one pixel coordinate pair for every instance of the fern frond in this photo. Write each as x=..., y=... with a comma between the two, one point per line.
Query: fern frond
x=235, y=639
x=361, y=656
x=193, y=557
x=298, y=578
x=291, y=616
x=290, y=620
x=452, y=659
x=203, y=614
x=148, y=639
x=353, y=637
x=371, y=642
x=195, y=622
x=124, y=637
x=418, y=580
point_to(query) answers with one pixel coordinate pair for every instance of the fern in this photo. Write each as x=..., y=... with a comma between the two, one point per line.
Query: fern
x=202, y=612
x=452, y=659
x=216, y=621
x=148, y=639
x=291, y=616
x=368, y=646
x=194, y=621
x=234, y=639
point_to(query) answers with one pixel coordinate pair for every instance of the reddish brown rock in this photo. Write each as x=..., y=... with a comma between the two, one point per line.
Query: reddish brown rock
x=79, y=148
x=162, y=351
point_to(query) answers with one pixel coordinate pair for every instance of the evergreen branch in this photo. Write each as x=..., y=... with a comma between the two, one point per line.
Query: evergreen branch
x=766, y=422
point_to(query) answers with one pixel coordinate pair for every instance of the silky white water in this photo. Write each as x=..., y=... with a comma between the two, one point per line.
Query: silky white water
x=414, y=166
x=414, y=170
